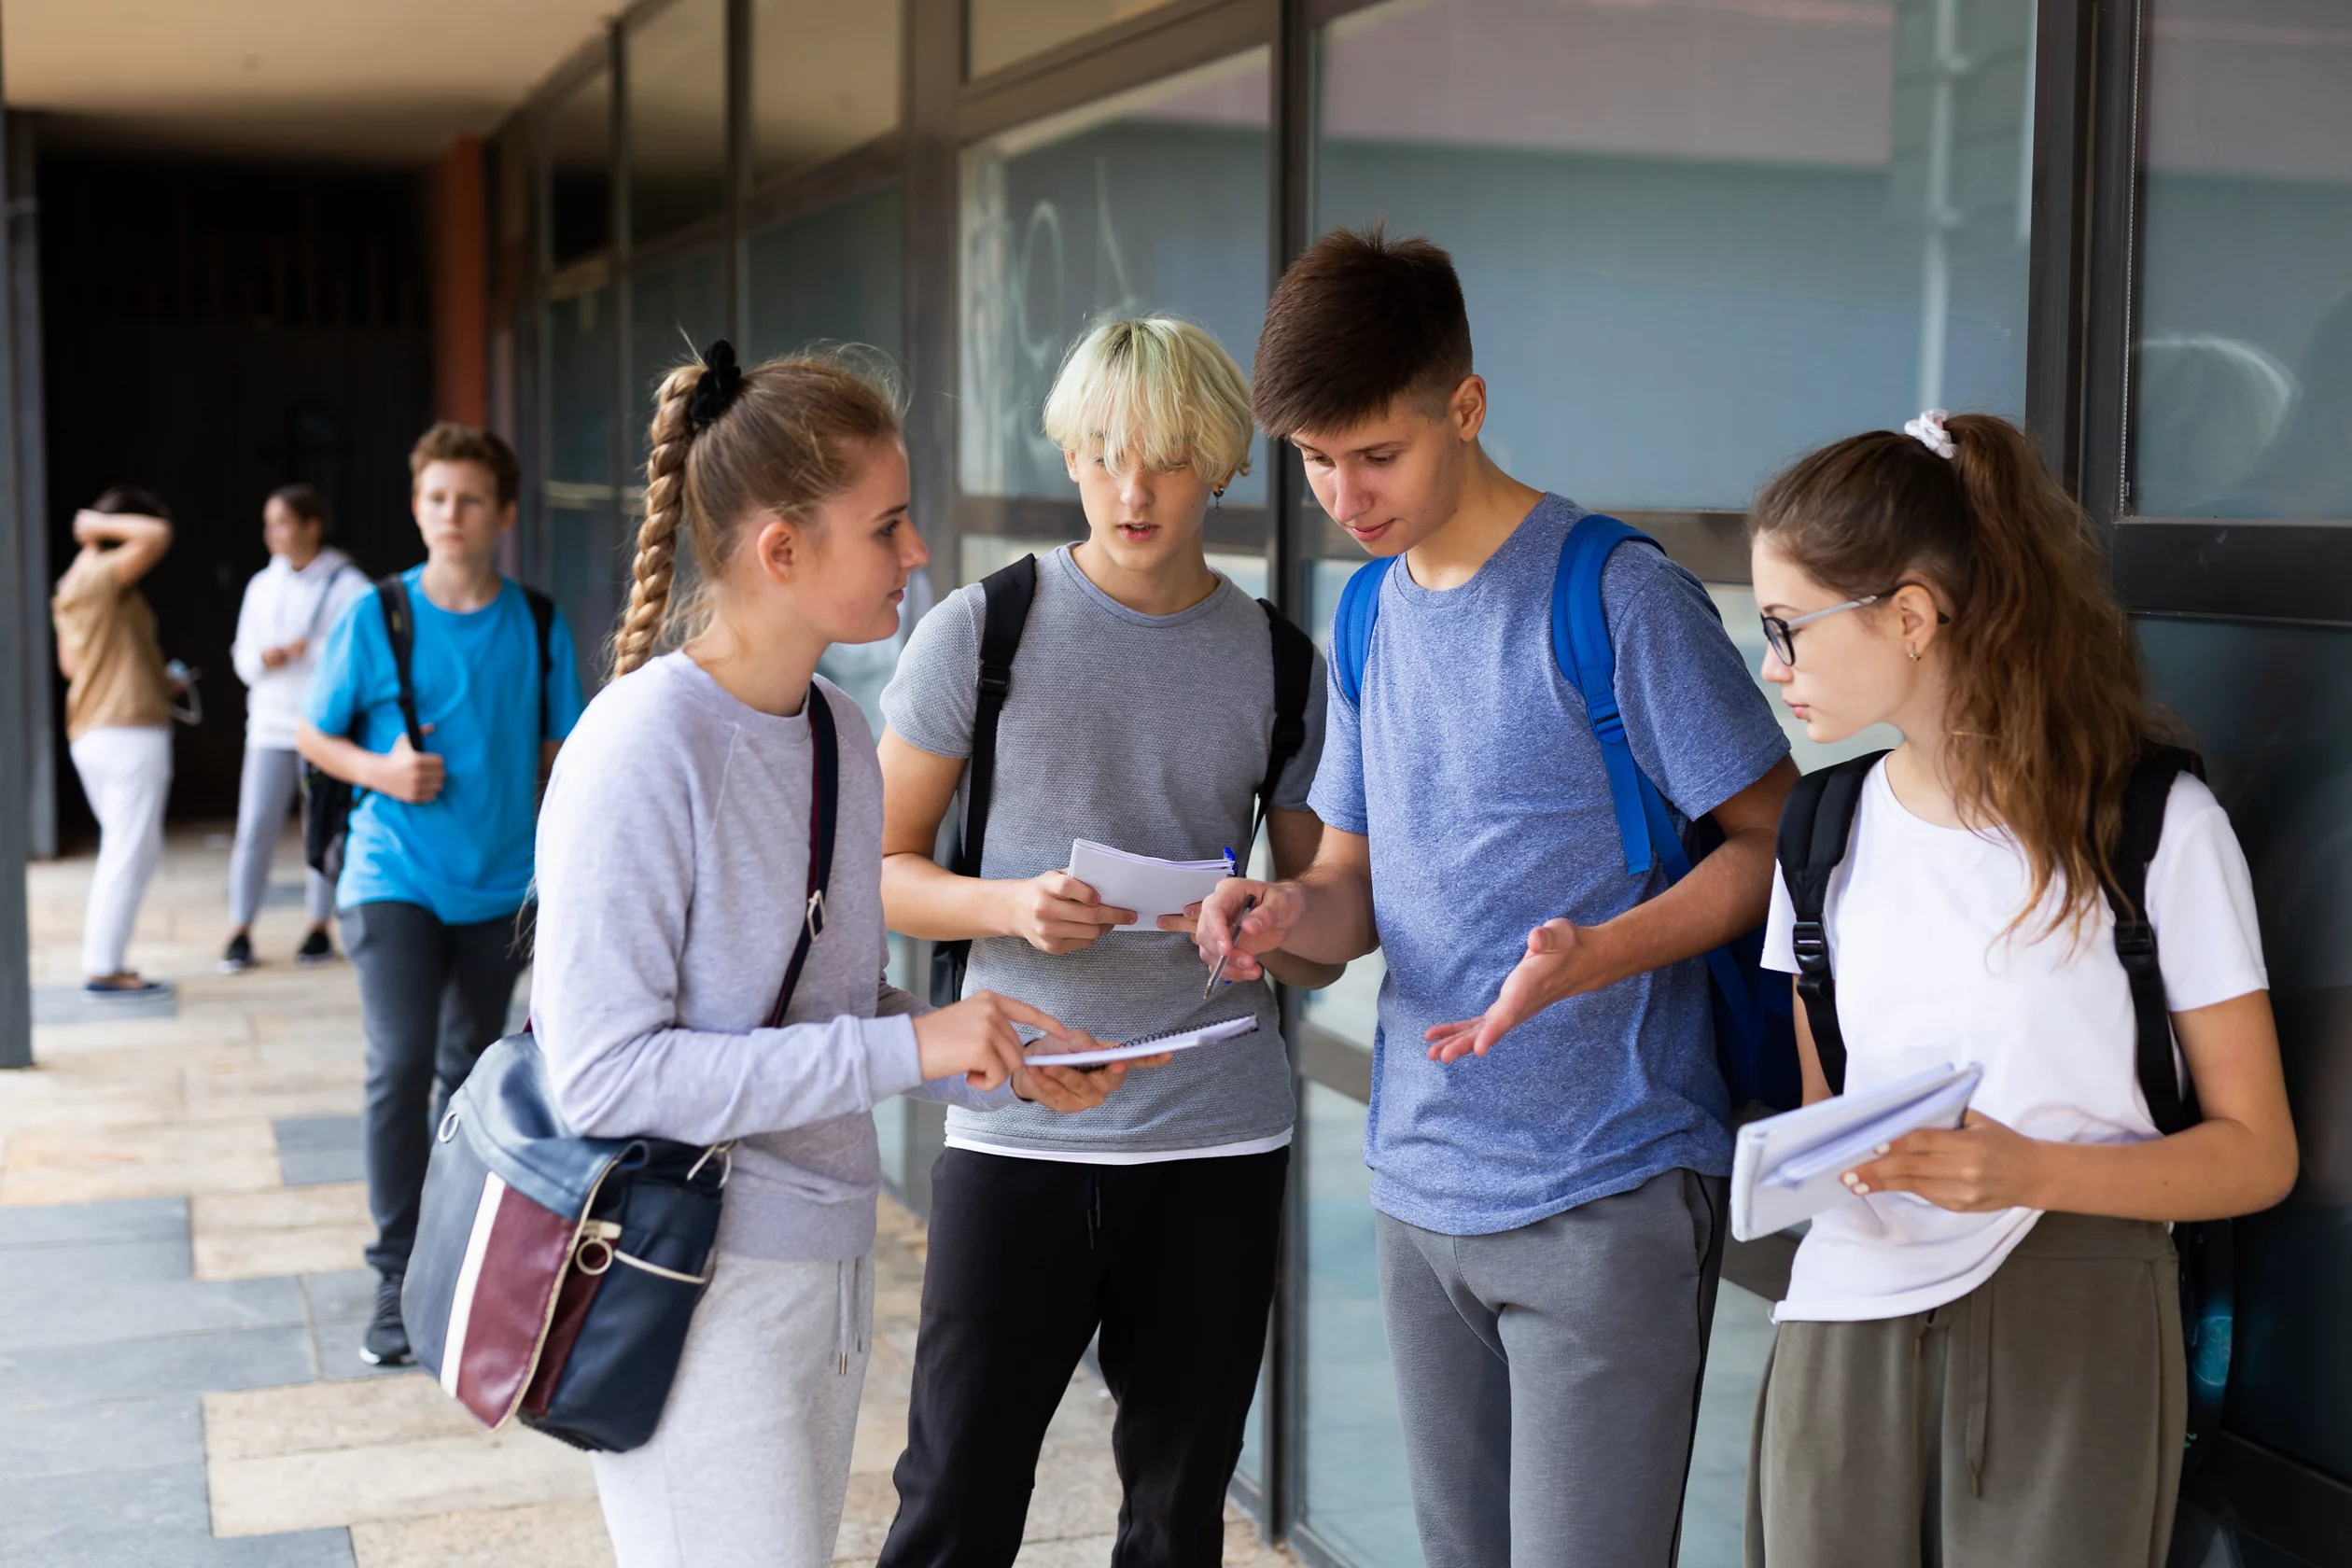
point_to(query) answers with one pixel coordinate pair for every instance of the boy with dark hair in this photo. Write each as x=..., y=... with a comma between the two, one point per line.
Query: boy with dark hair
x=435, y=892
x=1548, y=1129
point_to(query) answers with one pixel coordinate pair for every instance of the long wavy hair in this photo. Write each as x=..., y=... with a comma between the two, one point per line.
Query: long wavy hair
x=2046, y=713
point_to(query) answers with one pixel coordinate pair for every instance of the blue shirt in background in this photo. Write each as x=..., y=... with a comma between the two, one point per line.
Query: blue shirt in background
x=466, y=854
x=1473, y=771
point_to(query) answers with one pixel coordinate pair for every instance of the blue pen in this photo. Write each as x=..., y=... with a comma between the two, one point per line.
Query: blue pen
x=1233, y=866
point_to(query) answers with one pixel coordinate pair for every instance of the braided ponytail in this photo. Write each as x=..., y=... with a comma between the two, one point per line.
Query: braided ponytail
x=776, y=441
x=656, y=564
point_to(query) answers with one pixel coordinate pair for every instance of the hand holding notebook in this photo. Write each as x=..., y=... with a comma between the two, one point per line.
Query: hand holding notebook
x=1787, y=1168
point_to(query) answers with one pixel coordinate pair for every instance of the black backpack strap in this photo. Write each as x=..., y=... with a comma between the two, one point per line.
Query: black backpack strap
x=400, y=630
x=1006, y=594
x=543, y=623
x=1294, y=677
x=1815, y=827
x=2145, y=795
x=824, y=802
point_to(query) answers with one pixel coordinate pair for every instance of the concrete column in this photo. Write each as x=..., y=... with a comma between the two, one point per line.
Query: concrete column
x=461, y=287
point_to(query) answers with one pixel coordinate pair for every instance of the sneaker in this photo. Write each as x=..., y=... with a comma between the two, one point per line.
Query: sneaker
x=315, y=949
x=238, y=957
x=387, y=1341
x=123, y=986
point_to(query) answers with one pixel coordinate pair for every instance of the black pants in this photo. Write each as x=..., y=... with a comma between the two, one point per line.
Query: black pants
x=1173, y=1263
x=433, y=996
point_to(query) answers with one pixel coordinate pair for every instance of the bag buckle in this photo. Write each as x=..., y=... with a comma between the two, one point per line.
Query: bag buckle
x=1811, y=944
x=815, y=918
x=996, y=679
x=2134, y=940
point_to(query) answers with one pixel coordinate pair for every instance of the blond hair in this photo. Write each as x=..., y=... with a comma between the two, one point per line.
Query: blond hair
x=794, y=437
x=1156, y=391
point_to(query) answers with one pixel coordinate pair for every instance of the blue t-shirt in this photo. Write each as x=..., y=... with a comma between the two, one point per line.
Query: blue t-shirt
x=466, y=854
x=1472, y=770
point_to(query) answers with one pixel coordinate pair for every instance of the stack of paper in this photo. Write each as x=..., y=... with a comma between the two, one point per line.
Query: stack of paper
x=1787, y=1168
x=1149, y=887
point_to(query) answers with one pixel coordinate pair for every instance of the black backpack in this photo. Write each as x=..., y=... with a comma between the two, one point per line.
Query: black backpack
x=1815, y=828
x=1007, y=592
x=327, y=801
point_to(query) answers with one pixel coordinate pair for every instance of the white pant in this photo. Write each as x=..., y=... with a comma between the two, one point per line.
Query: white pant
x=126, y=773
x=749, y=1467
x=266, y=792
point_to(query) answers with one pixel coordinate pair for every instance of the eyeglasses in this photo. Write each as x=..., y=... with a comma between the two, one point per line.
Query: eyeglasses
x=1781, y=635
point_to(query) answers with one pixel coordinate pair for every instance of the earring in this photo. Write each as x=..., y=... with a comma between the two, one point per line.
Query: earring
x=1216, y=499
x=1913, y=652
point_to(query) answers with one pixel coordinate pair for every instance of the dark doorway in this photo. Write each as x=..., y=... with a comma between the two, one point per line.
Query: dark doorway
x=214, y=330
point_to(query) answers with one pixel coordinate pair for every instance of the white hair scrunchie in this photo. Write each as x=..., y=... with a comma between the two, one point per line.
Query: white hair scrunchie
x=1929, y=430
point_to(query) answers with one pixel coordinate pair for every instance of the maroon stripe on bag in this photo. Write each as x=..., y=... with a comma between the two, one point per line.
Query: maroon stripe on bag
x=571, y=1311
x=527, y=1250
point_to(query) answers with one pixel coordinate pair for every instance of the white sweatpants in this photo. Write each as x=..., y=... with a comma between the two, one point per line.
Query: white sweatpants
x=266, y=792
x=749, y=1467
x=126, y=773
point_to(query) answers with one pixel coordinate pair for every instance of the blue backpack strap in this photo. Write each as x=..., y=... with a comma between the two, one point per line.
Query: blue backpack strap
x=1352, y=627
x=1580, y=645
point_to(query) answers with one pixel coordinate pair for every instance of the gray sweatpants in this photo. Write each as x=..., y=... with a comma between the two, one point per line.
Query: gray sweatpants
x=750, y=1466
x=266, y=790
x=1547, y=1377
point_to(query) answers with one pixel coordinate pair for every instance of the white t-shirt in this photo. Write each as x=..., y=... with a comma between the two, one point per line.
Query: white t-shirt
x=1928, y=973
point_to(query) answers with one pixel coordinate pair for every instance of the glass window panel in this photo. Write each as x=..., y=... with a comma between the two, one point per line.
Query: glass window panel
x=673, y=314
x=579, y=142
x=1006, y=31
x=678, y=117
x=1354, y=1488
x=830, y=277
x=1252, y=1466
x=1151, y=200
x=580, y=341
x=824, y=79
x=584, y=571
x=2244, y=405
x=1698, y=238
x=2271, y=707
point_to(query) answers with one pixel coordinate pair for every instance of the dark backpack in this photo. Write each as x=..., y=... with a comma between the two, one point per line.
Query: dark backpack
x=327, y=800
x=1815, y=828
x=1756, y=1038
x=1006, y=594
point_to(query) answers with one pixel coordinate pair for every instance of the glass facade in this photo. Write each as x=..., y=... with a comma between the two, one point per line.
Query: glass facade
x=1697, y=237
x=676, y=73
x=824, y=79
x=1153, y=201
x=2244, y=368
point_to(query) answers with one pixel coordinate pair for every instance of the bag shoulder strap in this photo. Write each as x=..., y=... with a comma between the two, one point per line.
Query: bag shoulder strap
x=543, y=625
x=2146, y=795
x=326, y=596
x=400, y=631
x=1352, y=627
x=1587, y=661
x=1007, y=595
x=1293, y=680
x=1816, y=826
x=824, y=801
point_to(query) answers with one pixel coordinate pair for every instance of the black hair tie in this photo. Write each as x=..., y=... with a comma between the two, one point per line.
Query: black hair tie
x=715, y=393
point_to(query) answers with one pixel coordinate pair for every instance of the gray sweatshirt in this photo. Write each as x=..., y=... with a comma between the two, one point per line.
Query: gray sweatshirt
x=673, y=865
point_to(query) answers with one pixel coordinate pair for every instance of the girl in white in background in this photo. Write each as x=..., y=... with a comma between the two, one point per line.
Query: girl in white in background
x=1980, y=1361
x=288, y=608
x=673, y=868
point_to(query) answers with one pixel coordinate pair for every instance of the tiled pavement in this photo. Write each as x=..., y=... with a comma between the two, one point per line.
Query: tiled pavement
x=181, y=1215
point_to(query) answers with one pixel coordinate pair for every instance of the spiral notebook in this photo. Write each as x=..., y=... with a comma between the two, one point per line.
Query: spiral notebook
x=1151, y=1045
x=1790, y=1167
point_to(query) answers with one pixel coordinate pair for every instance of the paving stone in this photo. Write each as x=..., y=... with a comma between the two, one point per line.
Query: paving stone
x=182, y=1363
x=137, y=1219
x=279, y=1230
x=336, y=1343
x=44, y=1320
x=416, y=1480
x=546, y=1535
x=92, y=1263
x=111, y=1434
x=71, y=1005
x=63, y=1165
x=345, y=1293
x=261, y=1424
x=317, y=1149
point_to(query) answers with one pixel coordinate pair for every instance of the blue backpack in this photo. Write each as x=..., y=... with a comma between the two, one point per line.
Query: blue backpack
x=1756, y=1037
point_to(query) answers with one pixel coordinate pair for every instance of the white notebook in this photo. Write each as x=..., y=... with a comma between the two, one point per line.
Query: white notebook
x=1180, y=1039
x=1149, y=887
x=1786, y=1168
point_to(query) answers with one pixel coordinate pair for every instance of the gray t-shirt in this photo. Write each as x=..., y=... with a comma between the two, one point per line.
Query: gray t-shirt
x=1145, y=732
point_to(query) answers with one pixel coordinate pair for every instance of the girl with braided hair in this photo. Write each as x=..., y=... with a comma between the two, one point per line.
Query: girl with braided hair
x=674, y=864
